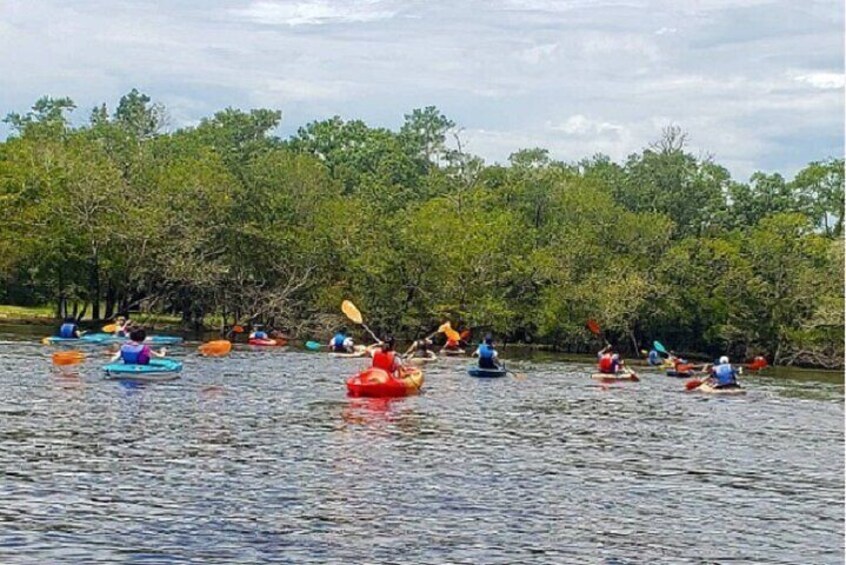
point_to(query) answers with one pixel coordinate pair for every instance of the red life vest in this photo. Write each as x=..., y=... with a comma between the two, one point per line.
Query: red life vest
x=384, y=360
x=451, y=344
x=606, y=364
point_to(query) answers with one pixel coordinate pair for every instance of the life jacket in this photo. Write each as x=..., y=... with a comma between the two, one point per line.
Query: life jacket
x=259, y=335
x=135, y=353
x=451, y=344
x=606, y=364
x=384, y=360
x=338, y=340
x=486, y=356
x=68, y=330
x=654, y=358
x=725, y=374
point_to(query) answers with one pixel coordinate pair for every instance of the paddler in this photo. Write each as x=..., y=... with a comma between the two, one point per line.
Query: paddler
x=654, y=358
x=723, y=374
x=69, y=329
x=488, y=357
x=452, y=344
x=384, y=356
x=341, y=342
x=258, y=333
x=135, y=351
x=609, y=362
x=419, y=349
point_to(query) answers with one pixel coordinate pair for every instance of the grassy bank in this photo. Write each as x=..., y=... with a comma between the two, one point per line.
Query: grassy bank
x=47, y=315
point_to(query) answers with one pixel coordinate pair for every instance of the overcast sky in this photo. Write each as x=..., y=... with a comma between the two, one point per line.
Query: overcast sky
x=758, y=84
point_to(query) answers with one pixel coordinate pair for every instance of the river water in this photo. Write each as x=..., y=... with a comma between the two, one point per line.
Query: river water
x=261, y=457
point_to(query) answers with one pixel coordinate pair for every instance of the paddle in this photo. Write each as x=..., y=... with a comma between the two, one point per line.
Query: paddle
x=110, y=328
x=594, y=328
x=65, y=358
x=313, y=346
x=516, y=375
x=659, y=347
x=354, y=315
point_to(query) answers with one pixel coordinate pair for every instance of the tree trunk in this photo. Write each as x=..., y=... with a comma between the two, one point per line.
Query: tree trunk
x=110, y=301
x=94, y=283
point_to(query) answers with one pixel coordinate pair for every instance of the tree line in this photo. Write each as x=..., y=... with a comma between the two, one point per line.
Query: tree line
x=226, y=221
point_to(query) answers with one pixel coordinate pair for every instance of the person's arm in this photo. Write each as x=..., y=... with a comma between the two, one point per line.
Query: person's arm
x=115, y=356
x=410, y=348
x=160, y=353
x=476, y=353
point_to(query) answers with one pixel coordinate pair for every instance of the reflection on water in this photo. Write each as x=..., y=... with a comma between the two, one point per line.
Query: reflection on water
x=260, y=456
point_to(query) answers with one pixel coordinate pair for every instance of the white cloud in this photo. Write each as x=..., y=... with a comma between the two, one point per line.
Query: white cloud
x=314, y=12
x=823, y=81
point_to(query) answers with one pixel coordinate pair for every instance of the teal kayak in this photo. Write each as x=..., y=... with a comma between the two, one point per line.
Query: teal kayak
x=476, y=371
x=156, y=370
x=108, y=339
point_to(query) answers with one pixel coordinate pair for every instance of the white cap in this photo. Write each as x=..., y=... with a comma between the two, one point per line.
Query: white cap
x=724, y=360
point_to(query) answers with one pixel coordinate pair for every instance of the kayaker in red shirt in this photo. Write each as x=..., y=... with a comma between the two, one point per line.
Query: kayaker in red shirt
x=385, y=358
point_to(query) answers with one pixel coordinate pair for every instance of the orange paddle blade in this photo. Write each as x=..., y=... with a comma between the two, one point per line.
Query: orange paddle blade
x=452, y=335
x=237, y=329
x=465, y=335
x=758, y=363
x=110, y=328
x=593, y=327
x=692, y=384
x=68, y=357
x=351, y=312
x=216, y=348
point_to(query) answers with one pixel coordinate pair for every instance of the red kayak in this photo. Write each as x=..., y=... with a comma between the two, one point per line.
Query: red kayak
x=267, y=342
x=376, y=383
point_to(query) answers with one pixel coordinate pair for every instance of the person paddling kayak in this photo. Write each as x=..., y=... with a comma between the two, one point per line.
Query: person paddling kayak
x=69, y=329
x=341, y=342
x=258, y=333
x=385, y=357
x=135, y=351
x=654, y=358
x=723, y=375
x=419, y=349
x=488, y=357
x=609, y=362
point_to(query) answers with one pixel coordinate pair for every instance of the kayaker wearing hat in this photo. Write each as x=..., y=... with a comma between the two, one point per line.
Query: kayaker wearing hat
x=724, y=375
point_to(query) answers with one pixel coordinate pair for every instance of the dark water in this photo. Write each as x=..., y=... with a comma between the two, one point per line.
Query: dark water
x=261, y=457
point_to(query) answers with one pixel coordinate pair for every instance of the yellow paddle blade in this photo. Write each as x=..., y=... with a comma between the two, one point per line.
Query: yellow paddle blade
x=68, y=357
x=110, y=328
x=217, y=348
x=444, y=327
x=46, y=341
x=452, y=335
x=351, y=311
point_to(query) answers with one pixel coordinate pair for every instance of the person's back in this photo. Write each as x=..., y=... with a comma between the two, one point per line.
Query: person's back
x=724, y=374
x=341, y=343
x=385, y=357
x=487, y=354
x=654, y=358
x=69, y=329
x=135, y=351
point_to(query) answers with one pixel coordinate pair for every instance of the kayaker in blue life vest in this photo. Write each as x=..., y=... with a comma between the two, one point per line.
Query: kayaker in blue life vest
x=488, y=358
x=724, y=375
x=654, y=358
x=258, y=333
x=342, y=343
x=69, y=329
x=135, y=351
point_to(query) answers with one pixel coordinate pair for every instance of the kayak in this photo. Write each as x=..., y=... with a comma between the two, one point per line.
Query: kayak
x=108, y=339
x=476, y=371
x=421, y=360
x=156, y=370
x=453, y=352
x=609, y=378
x=360, y=351
x=679, y=374
x=708, y=389
x=266, y=342
x=376, y=383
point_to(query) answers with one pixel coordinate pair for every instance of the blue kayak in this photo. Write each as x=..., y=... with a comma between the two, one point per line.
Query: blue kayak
x=108, y=339
x=155, y=370
x=476, y=371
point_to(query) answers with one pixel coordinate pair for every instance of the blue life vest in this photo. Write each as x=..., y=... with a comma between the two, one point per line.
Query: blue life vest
x=486, y=356
x=338, y=340
x=260, y=335
x=135, y=353
x=725, y=374
x=68, y=330
x=654, y=358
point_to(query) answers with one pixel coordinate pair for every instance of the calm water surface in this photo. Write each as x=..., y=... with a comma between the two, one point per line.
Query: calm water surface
x=261, y=457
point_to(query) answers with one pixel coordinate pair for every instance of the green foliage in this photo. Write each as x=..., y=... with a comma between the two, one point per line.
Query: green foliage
x=225, y=220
